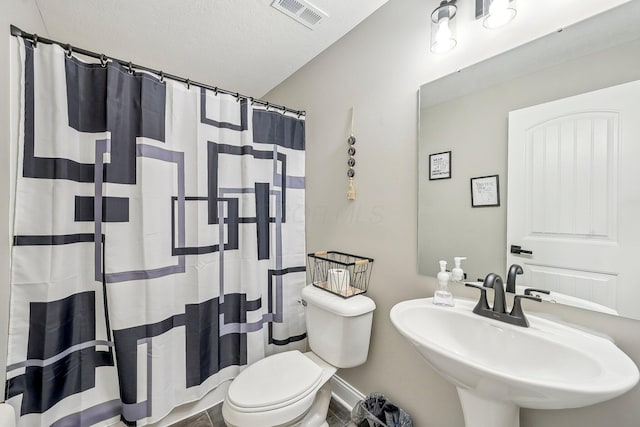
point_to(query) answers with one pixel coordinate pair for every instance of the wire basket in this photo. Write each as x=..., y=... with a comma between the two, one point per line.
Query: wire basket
x=342, y=274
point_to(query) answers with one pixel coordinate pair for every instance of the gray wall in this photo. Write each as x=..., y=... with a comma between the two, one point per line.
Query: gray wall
x=475, y=128
x=377, y=68
x=24, y=14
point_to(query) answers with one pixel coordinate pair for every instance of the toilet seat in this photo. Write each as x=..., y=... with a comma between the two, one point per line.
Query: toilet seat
x=277, y=390
x=274, y=382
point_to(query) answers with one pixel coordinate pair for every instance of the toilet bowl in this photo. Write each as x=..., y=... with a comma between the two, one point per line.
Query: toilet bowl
x=285, y=389
x=293, y=388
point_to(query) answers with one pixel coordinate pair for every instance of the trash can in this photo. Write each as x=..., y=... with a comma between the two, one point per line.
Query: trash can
x=376, y=410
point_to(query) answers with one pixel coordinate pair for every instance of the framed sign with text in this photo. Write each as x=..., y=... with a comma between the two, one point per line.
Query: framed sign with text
x=485, y=191
x=440, y=165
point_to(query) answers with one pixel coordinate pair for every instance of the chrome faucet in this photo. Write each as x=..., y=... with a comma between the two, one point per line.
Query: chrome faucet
x=499, y=310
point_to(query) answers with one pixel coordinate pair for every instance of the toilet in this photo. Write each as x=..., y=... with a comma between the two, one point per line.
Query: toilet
x=293, y=388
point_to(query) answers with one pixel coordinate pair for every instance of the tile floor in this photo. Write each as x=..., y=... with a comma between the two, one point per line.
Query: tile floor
x=338, y=416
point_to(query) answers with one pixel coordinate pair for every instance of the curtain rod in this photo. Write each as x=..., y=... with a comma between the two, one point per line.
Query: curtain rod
x=17, y=32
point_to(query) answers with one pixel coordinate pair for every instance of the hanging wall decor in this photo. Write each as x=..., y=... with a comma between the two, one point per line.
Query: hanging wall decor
x=485, y=191
x=351, y=173
x=440, y=166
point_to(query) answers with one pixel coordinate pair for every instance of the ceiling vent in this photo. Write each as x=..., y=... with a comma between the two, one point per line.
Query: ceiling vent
x=302, y=11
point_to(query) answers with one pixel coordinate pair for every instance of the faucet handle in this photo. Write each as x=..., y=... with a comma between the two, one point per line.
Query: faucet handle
x=482, y=302
x=540, y=291
x=517, y=312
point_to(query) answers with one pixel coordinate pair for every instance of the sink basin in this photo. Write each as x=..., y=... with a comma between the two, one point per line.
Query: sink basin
x=499, y=368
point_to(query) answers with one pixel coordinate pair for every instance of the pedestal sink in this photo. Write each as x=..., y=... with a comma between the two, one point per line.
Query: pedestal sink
x=498, y=368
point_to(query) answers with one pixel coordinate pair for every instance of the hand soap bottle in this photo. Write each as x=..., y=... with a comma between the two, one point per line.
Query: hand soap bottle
x=457, y=275
x=442, y=296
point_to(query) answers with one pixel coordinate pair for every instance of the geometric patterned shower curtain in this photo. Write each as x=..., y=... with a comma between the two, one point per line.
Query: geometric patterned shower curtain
x=159, y=241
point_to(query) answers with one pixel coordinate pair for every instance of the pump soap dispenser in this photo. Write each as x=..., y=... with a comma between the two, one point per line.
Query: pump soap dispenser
x=457, y=275
x=442, y=296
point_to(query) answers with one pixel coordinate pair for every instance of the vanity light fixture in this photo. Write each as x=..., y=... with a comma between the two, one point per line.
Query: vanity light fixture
x=497, y=13
x=443, y=27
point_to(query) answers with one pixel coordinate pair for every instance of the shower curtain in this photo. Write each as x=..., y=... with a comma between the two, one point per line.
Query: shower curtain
x=159, y=241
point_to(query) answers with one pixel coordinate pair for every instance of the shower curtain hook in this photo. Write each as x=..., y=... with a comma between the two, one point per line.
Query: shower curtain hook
x=130, y=68
x=69, y=50
x=188, y=84
x=215, y=91
x=251, y=100
x=268, y=105
x=162, y=76
x=35, y=40
x=299, y=113
x=103, y=60
x=237, y=95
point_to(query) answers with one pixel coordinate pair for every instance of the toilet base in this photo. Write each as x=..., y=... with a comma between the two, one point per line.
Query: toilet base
x=317, y=415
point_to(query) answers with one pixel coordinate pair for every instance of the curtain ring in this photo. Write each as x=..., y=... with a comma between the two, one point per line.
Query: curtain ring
x=188, y=82
x=162, y=76
x=130, y=68
x=35, y=40
x=103, y=61
x=69, y=51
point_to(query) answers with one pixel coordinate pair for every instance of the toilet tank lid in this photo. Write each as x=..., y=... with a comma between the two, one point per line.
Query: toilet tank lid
x=347, y=307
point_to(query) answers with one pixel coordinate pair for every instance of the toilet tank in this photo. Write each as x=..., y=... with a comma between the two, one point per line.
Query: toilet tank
x=338, y=329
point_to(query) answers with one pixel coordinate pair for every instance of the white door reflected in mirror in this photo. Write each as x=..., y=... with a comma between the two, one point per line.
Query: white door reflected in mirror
x=573, y=195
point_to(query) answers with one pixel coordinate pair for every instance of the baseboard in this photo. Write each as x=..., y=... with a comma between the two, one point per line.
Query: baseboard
x=344, y=393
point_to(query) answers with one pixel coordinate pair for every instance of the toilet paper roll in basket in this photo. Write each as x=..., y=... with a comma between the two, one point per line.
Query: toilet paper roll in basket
x=338, y=279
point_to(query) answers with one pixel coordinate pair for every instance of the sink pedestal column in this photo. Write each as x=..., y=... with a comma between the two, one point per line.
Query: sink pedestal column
x=482, y=412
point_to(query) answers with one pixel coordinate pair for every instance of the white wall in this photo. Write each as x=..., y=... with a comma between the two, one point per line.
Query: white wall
x=378, y=68
x=22, y=13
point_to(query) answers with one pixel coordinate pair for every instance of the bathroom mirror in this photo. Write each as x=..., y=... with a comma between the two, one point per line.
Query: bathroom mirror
x=466, y=113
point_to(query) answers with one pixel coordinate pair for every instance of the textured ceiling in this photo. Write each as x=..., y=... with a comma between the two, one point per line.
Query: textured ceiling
x=249, y=47
x=240, y=45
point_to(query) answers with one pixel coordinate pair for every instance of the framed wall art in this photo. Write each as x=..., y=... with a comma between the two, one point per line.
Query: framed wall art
x=440, y=165
x=485, y=191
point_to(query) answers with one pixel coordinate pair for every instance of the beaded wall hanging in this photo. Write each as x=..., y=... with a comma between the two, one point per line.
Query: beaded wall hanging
x=351, y=151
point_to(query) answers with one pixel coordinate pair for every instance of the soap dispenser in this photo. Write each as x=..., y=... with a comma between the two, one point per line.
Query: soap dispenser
x=457, y=275
x=442, y=296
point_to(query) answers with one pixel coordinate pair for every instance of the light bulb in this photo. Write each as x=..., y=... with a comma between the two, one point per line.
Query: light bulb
x=443, y=39
x=443, y=27
x=500, y=13
x=498, y=6
x=443, y=35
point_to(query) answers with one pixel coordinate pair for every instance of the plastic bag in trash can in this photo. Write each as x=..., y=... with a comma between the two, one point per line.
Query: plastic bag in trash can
x=378, y=411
